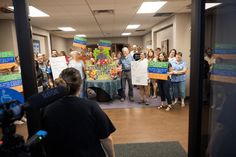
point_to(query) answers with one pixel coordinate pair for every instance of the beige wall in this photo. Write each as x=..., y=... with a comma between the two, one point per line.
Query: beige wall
x=178, y=31
x=7, y=36
x=118, y=40
x=59, y=43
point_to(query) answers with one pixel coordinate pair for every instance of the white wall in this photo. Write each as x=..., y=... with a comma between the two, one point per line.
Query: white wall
x=166, y=34
x=135, y=41
x=147, y=41
x=59, y=43
x=178, y=30
x=44, y=37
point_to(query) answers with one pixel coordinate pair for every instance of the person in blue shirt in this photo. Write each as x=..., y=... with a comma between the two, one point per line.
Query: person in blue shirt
x=178, y=78
x=125, y=61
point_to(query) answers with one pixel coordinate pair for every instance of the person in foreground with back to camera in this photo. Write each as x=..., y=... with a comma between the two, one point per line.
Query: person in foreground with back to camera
x=76, y=127
x=164, y=85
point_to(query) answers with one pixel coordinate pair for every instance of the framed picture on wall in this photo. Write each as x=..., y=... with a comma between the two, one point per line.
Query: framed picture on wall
x=165, y=46
x=36, y=46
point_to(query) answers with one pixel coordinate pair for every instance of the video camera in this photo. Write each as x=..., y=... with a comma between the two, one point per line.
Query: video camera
x=11, y=144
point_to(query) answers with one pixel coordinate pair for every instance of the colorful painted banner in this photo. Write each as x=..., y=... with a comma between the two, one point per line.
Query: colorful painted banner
x=80, y=42
x=158, y=70
x=7, y=60
x=11, y=81
x=105, y=44
x=96, y=52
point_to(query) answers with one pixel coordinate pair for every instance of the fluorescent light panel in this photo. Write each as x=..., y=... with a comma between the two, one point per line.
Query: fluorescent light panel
x=66, y=29
x=211, y=5
x=132, y=26
x=33, y=12
x=151, y=7
x=81, y=35
x=124, y=34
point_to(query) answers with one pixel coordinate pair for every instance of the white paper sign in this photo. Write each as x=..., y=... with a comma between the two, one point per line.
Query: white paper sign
x=139, y=72
x=57, y=64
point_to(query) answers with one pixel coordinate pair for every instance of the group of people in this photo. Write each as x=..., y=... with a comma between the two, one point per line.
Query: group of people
x=170, y=90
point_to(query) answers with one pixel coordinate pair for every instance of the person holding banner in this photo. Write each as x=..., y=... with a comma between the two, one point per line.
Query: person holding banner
x=125, y=61
x=144, y=90
x=153, y=83
x=164, y=85
x=178, y=78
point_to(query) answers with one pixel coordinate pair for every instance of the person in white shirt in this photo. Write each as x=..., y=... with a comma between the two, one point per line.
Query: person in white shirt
x=79, y=65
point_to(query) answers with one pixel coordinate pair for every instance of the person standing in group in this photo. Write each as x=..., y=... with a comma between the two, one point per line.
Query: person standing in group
x=178, y=78
x=125, y=61
x=171, y=59
x=172, y=55
x=79, y=65
x=143, y=90
x=153, y=83
x=164, y=85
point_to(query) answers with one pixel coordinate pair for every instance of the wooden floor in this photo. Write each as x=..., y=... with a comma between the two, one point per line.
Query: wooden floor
x=146, y=125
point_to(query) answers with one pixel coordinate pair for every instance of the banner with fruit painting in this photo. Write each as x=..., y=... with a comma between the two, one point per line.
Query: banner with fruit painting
x=80, y=42
x=103, y=69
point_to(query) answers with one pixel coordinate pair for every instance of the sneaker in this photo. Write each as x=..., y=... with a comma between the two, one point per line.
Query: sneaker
x=23, y=119
x=141, y=102
x=18, y=122
x=122, y=99
x=154, y=96
x=182, y=104
x=159, y=107
x=168, y=108
x=131, y=99
x=146, y=103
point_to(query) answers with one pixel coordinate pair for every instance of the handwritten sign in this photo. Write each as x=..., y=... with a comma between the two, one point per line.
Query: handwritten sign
x=57, y=64
x=158, y=70
x=80, y=42
x=139, y=72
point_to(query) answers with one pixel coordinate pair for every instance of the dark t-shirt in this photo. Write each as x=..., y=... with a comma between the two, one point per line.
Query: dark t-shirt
x=75, y=127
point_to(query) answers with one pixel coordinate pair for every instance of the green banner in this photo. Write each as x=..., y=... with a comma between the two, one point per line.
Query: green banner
x=224, y=67
x=10, y=77
x=158, y=64
x=7, y=54
x=225, y=46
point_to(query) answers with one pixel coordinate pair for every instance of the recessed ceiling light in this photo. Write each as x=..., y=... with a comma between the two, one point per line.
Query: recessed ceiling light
x=211, y=5
x=66, y=29
x=33, y=12
x=81, y=35
x=124, y=34
x=151, y=7
x=132, y=26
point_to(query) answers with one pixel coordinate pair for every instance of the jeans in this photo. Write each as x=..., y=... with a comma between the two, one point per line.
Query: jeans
x=126, y=76
x=82, y=90
x=164, y=90
x=179, y=89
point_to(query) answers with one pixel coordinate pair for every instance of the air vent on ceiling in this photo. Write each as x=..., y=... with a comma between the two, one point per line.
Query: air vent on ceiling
x=140, y=30
x=162, y=14
x=5, y=10
x=103, y=12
